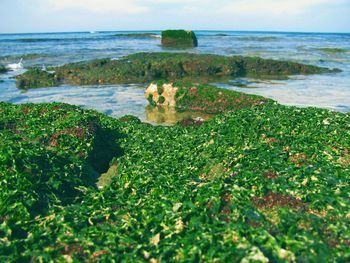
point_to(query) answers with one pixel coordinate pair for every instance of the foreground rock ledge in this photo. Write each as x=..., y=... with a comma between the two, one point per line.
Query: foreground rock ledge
x=265, y=184
x=146, y=67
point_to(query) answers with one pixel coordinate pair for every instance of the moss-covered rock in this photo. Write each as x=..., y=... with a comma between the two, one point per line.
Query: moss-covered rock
x=179, y=38
x=37, y=78
x=198, y=97
x=146, y=67
x=267, y=183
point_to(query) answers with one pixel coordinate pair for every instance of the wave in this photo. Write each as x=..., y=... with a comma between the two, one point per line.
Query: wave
x=24, y=56
x=40, y=40
x=332, y=50
x=77, y=39
x=258, y=38
x=138, y=35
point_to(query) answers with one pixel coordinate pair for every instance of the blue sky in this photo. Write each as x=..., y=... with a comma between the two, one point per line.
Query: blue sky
x=87, y=15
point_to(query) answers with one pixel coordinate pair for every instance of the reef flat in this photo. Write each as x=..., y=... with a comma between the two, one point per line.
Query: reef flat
x=262, y=183
x=147, y=67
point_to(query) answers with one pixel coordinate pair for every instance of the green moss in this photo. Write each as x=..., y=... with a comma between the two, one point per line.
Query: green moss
x=147, y=67
x=179, y=38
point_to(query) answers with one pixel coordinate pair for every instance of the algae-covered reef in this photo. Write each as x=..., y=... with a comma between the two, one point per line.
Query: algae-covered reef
x=186, y=96
x=265, y=183
x=179, y=38
x=146, y=67
x=36, y=78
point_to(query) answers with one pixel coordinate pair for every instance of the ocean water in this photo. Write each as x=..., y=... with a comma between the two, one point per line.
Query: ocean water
x=331, y=91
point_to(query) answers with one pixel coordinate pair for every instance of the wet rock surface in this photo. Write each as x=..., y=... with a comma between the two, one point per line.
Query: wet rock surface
x=147, y=67
x=198, y=97
x=179, y=38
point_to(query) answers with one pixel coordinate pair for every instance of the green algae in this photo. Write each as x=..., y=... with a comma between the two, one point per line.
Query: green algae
x=37, y=78
x=147, y=67
x=106, y=178
x=179, y=38
x=208, y=99
x=267, y=183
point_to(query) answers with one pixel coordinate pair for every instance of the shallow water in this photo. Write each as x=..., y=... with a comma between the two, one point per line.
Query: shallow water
x=330, y=91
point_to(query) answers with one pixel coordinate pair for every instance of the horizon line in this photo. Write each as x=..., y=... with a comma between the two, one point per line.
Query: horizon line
x=160, y=30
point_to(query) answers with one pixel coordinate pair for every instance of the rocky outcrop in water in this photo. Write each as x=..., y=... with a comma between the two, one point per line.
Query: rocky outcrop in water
x=179, y=38
x=147, y=67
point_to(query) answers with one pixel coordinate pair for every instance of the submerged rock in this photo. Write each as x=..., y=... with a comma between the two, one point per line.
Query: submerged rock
x=147, y=67
x=196, y=97
x=170, y=115
x=3, y=69
x=179, y=38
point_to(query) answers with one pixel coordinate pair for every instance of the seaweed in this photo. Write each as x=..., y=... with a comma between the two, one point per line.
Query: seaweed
x=206, y=98
x=264, y=183
x=147, y=67
x=37, y=78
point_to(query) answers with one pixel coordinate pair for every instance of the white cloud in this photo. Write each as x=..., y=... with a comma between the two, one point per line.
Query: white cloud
x=102, y=6
x=274, y=7
x=239, y=7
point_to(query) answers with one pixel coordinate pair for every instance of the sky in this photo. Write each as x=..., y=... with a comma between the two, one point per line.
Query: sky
x=24, y=16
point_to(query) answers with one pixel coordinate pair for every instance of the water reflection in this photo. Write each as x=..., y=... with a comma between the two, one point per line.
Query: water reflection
x=112, y=100
x=169, y=115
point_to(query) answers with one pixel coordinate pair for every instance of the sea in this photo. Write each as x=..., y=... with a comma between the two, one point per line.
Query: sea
x=329, y=91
